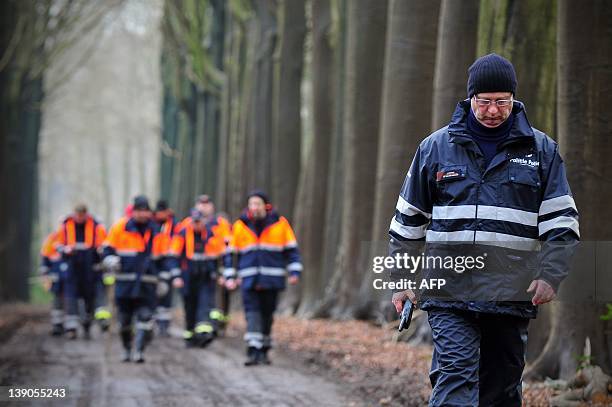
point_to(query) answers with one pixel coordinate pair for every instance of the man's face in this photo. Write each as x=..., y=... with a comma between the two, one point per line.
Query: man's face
x=257, y=207
x=141, y=215
x=207, y=209
x=80, y=217
x=492, y=115
x=161, y=216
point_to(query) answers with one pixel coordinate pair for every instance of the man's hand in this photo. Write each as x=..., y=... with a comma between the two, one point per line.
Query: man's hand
x=178, y=282
x=399, y=298
x=543, y=292
x=46, y=283
x=231, y=284
x=162, y=289
x=293, y=280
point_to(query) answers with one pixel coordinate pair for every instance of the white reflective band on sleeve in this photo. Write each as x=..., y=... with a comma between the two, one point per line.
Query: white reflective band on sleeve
x=175, y=272
x=408, y=209
x=295, y=266
x=81, y=246
x=557, y=204
x=291, y=245
x=559, y=222
x=409, y=232
x=54, y=278
x=229, y=272
x=165, y=275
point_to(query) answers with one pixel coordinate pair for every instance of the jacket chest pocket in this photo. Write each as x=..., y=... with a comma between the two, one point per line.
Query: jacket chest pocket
x=521, y=188
x=452, y=184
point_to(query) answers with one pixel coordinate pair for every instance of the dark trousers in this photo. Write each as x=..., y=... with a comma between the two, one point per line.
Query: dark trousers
x=139, y=310
x=259, y=307
x=198, y=299
x=478, y=358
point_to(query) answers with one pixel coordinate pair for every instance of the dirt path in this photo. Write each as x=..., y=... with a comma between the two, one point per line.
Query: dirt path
x=172, y=375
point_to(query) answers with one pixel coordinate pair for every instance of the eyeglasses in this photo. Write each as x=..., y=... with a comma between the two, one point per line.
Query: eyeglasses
x=487, y=102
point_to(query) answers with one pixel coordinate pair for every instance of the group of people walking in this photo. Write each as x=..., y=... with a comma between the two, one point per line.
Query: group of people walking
x=145, y=255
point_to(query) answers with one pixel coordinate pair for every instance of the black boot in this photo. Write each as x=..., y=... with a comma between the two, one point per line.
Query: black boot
x=252, y=356
x=262, y=355
x=71, y=334
x=86, y=329
x=57, y=330
x=126, y=340
x=126, y=356
x=204, y=339
x=143, y=337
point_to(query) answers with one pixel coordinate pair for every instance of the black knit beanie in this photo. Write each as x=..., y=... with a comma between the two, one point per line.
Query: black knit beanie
x=491, y=73
x=259, y=193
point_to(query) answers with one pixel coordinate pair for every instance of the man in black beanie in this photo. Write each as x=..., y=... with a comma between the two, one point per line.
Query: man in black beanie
x=487, y=184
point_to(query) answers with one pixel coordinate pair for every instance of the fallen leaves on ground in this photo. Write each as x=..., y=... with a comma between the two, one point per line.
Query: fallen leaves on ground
x=366, y=357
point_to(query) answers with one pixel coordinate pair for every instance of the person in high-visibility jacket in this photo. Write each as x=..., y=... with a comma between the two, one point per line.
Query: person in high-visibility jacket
x=266, y=249
x=129, y=249
x=220, y=227
x=198, y=249
x=78, y=239
x=164, y=221
x=53, y=271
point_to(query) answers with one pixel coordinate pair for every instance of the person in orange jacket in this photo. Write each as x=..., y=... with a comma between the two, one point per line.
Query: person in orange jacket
x=198, y=250
x=78, y=239
x=129, y=250
x=221, y=227
x=53, y=270
x=164, y=221
x=265, y=248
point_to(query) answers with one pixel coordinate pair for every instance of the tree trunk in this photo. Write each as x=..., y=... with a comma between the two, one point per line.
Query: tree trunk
x=335, y=184
x=311, y=206
x=520, y=30
x=455, y=52
x=259, y=131
x=585, y=125
x=364, y=68
x=288, y=102
x=406, y=120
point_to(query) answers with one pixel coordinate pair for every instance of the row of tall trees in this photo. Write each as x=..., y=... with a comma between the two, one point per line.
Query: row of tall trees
x=322, y=103
x=32, y=35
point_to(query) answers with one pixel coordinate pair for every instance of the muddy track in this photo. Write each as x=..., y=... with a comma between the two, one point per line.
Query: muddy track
x=172, y=375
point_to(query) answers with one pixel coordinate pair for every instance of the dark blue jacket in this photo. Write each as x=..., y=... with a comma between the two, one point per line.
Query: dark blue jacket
x=516, y=207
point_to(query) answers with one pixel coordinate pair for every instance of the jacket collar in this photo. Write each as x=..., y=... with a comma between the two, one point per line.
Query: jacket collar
x=131, y=226
x=458, y=133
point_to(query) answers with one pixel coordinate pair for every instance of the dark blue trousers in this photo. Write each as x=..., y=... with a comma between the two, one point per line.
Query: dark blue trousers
x=478, y=358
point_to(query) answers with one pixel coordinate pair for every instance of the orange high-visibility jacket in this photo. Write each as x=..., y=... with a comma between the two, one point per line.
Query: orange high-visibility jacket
x=95, y=233
x=265, y=258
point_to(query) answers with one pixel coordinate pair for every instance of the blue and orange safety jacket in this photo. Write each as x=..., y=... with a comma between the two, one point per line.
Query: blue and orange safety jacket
x=266, y=250
x=137, y=247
